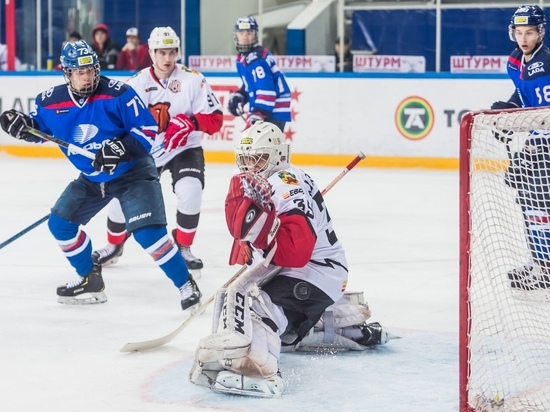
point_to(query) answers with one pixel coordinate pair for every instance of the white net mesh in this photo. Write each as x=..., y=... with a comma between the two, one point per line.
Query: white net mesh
x=508, y=299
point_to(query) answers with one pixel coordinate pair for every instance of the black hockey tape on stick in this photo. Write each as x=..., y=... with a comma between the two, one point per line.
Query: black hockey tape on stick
x=60, y=142
x=27, y=229
x=157, y=343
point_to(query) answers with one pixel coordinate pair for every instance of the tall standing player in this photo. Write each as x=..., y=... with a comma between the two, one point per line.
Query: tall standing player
x=108, y=118
x=529, y=69
x=264, y=86
x=184, y=106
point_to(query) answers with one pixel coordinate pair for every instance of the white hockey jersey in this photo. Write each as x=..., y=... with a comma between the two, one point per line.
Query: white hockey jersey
x=328, y=268
x=185, y=91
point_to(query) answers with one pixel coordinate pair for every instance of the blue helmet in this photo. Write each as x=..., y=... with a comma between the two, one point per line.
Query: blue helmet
x=527, y=16
x=247, y=23
x=79, y=55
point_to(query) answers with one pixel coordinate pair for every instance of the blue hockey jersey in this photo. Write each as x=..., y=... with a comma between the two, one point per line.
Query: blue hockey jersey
x=532, y=79
x=264, y=83
x=113, y=110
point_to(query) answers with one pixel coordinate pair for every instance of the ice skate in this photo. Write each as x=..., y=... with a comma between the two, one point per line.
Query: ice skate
x=229, y=382
x=84, y=291
x=190, y=295
x=527, y=278
x=108, y=255
x=374, y=334
x=193, y=263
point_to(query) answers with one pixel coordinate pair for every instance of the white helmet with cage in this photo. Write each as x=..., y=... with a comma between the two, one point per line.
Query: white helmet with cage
x=163, y=38
x=262, y=148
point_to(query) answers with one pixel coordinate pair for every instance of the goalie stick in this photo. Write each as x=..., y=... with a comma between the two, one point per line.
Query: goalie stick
x=70, y=146
x=157, y=343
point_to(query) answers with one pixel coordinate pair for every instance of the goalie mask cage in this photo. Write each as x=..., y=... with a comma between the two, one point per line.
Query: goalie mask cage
x=504, y=336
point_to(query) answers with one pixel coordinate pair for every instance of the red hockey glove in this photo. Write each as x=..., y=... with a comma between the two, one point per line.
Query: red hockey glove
x=179, y=128
x=249, y=211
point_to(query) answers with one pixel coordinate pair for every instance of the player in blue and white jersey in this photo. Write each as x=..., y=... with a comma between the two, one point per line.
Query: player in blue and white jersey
x=529, y=69
x=264, y=86
x=529, y=63
x=105, y=117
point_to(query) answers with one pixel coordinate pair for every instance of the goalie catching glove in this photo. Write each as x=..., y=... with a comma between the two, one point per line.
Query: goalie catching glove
x=14, y=123
x=177, y=132
x=249, y=211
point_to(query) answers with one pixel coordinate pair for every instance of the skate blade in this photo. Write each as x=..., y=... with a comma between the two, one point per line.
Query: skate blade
x=109, y=262
x=84, y=299
x=217, y=387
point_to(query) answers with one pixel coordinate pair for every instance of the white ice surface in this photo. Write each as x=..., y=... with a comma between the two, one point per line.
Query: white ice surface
x=400, y=232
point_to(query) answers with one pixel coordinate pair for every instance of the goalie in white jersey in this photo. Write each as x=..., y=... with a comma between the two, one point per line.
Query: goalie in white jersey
x=184, y=106
x=292, y=295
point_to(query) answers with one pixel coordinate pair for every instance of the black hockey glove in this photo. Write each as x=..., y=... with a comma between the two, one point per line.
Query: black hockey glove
x=110, y=155
x=503, y=105
x=235, y=104
x=13, y=122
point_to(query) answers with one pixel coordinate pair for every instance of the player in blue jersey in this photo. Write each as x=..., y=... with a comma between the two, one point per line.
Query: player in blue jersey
x=108, y=118
x=264, y=86
x=529, y=63
x=528, y=173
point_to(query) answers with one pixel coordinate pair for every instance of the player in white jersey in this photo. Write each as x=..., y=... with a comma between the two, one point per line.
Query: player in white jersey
x=184, y=106
x=293, y=299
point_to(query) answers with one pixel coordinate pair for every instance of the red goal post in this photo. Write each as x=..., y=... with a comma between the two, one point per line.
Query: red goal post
x=504, y=332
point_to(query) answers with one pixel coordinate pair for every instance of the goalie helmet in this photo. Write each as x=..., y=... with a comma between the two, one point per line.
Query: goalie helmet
x=163, y=38
x=262, y=148
x=247, y=23
x=527, y=16
x=77, y=56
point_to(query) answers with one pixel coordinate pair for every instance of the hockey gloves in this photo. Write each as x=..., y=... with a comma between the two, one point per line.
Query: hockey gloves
x=253, y=118
x=13, y=123
x=249, y=211
x=110, y=155
x=177, y=132
x=503, y=105
x=235, y=104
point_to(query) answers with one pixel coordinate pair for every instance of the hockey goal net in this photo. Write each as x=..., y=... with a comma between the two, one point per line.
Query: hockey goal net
x=504, y=330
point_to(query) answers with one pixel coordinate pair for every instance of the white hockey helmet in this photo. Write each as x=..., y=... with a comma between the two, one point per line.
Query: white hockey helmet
x=163, y=38
x=262, y=148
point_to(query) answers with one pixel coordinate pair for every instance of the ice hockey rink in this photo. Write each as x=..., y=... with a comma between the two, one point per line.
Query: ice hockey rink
x=400, y=232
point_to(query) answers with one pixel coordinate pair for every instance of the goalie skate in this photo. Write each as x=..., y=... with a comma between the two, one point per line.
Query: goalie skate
x=86, y=290
x=232, y=383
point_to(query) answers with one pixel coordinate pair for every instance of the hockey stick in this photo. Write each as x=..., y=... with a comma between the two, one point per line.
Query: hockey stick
x=27, y=229
x=60, y=142
x=156, y=343
x=360, y=156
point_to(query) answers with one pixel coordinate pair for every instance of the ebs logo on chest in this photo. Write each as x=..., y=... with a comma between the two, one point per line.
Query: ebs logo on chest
x=535, y=68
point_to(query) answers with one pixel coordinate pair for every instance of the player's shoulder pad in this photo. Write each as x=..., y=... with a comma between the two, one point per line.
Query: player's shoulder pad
x=53, y=96
x=111, y=87
x=186, y=69
x=286, y=184
x=514, y=60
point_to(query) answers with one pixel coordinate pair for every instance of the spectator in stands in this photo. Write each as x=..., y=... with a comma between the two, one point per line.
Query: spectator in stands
x=347, y=64
x=74, y=36
x=134, y=55
x=106, y=49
